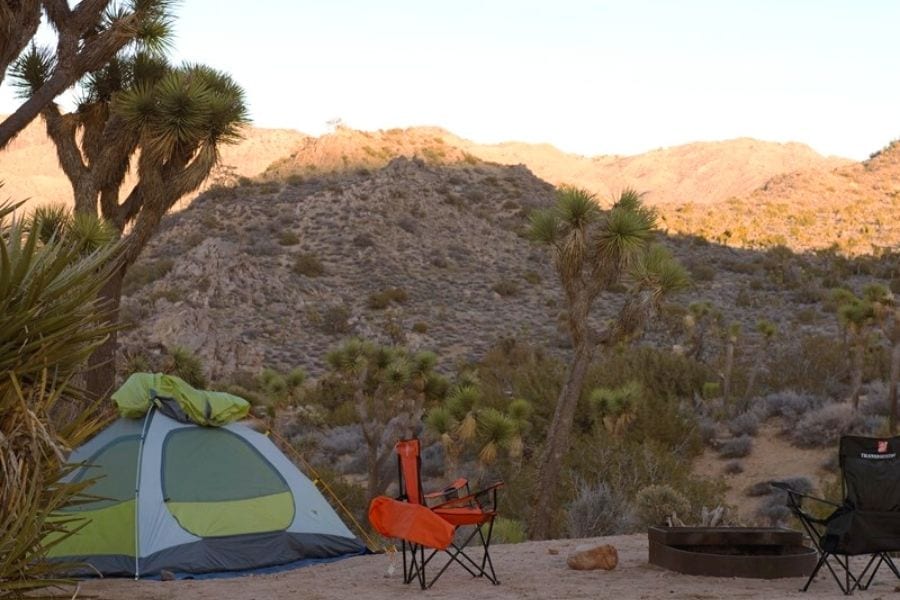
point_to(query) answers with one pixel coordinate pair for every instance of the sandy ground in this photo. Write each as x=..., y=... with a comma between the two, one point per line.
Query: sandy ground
x=525, y=571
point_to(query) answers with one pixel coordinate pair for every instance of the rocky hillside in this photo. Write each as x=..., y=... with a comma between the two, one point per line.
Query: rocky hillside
x=274, y=273
x=855, y=207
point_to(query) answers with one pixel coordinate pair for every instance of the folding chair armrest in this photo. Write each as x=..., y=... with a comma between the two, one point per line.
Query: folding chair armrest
x=792, y=492
x=453, y=488
x=473, y=498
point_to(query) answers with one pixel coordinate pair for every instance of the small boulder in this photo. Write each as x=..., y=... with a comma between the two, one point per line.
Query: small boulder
x=165, y=575
x=597, y=557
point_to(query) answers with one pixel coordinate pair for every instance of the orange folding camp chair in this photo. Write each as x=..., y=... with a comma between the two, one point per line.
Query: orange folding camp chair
x=418, y=529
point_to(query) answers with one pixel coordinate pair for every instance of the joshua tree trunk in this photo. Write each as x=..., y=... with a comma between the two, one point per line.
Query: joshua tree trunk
x=751, y=380
x=100, y=378
x=558, y=443
x=895, y=375
x=729, y=369
x=858, y=353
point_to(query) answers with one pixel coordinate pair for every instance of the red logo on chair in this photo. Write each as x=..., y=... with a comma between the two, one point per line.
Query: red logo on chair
x=882, y=446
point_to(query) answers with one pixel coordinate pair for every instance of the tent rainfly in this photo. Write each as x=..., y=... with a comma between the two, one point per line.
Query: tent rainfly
x=179, y=486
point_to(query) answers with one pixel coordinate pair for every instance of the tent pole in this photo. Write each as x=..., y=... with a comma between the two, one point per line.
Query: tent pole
x=137, y=494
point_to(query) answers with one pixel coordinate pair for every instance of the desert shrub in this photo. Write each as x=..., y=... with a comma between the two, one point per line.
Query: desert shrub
x=182, y=362
x=145, y=272
x=508, y=531
x=807, y=316
x=341, y=440
x=662, y=373
x=288, y=238
x=532, y=277
x=790, y=406
x=824, y=427
x=384, y=298
x=875, y=401
x=711, y=389
x=738, y=447
x=632, y=463
x=773, y=510
x=308, y=265
x=363, y=240
x=655, y=503
x=599, y=510
x=733, y=467
x=336, y=319
x=408, y=224
x=707, y=429
x=420, y=327
x=811, y=363
x=702, y=272
x=744, y=424
x=506, y=287
x=760, y=488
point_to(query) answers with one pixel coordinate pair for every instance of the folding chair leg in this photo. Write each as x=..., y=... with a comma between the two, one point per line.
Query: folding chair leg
x=486, y=558
x=859, y=584
x=822, y=558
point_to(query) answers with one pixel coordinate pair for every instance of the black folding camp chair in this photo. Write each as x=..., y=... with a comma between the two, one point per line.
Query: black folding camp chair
x=867, y=523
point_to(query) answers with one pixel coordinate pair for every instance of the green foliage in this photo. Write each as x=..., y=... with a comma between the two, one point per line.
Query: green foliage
x=711, y=390
x=509, y=531
x=662, y=373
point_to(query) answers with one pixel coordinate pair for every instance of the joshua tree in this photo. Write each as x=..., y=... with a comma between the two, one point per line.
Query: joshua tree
x=767, y=331
x=593, y=251
x=170, y=120
x=700, y=319
x=88, y=34
x=859, y=316
x=389, y=387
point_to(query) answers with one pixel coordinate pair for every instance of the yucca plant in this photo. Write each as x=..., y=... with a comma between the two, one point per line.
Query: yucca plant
x=462, y=422
x=593, y=250
x=48, y=328
x=389, y=387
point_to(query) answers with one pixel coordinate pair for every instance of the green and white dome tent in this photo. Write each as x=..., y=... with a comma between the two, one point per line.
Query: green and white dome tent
x=181, y=486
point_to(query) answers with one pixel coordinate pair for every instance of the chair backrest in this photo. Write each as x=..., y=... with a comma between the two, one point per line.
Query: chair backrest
x=409, y=463
x=871, y=472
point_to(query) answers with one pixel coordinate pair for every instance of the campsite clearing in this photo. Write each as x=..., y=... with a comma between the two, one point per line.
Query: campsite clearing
x=525, y=570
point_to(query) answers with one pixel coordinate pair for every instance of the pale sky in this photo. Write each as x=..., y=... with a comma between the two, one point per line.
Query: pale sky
x=591, y=77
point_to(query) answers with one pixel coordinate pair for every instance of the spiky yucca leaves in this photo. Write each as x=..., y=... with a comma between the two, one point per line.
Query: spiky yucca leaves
x=48, y=327
x=614, y=408
x=593, y=250
x=464, y=423
x=89, y=35
x=389, y=387
x=86, y=233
